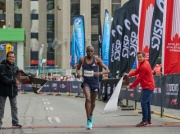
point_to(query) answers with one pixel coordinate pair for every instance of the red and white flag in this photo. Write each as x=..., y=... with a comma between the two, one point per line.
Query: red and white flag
x=171, y=40
x=146, y=13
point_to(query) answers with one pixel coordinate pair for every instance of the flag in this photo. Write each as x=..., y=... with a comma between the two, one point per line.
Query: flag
x=106, y=39
x=73, y=50
x=116, y=40
x=79, y=36
x=171, y=40
x=145, y=22
x=156, y=32
x=130, y=37
x=37, y=84
x=22, y=77
x=99, y=43
x=40, y=65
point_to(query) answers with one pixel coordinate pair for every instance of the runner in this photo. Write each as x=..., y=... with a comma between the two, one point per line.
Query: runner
x=90, y=72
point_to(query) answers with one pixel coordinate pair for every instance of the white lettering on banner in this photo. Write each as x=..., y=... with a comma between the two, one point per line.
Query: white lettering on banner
x=80, y=42
x=157, y=35
x=113, y=32
x=133, y=44
x=36, y=85
x=119, y=29
x=160, y=4
x=127, y=24
x=88, y=73
x=117, y=53
x=135, y=19
x=112, y=53
x=172, y=89
x=106, y=56
x=125, y=50
x=173, y=47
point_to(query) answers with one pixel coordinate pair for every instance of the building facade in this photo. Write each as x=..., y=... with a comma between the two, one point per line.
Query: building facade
x=49, y=22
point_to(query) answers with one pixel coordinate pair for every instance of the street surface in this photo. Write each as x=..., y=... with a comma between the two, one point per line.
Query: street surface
x=50, y=114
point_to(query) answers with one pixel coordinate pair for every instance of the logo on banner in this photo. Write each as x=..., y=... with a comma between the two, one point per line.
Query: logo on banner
x=78, y=21
x=172, y=89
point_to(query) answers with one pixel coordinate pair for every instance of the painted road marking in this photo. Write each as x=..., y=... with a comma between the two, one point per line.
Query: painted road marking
x=57, y=120
x=49, y=108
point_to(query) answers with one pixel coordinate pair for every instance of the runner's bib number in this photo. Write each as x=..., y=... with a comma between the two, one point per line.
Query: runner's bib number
x=88, y=73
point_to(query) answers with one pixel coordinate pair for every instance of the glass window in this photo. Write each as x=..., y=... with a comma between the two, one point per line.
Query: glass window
x=2, y=20
x=2, y=6
x=18, y=6
x=50, y=7
x=116, y=4
x=95, y=10
x=75, y=8
x=17, y=20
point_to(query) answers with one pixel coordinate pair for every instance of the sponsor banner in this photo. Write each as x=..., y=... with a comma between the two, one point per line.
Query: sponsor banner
x=53, y=86
x=115, y=44
x=145, y=22
x=130, y=37
x=79, y=36
x=106, y=39
x=156, y=32
x=73, y=50
x=99, y=43
x=171, y=44
x=171, y=91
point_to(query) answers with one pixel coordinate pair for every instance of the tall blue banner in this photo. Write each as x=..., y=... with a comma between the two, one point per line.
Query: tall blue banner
x=73, y=50
x=106, y=39
x=79, y=36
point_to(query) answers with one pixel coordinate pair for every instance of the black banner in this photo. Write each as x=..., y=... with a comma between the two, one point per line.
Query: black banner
x=171, y=92
x=115, y=42
x=99, y=43
x=132, y=16
x=156, y=32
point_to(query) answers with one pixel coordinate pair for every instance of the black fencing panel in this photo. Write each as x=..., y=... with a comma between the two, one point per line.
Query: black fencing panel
x=157, y=93
x=170, y=91
x=63, y=86
x=47, y=87
x=76, y=87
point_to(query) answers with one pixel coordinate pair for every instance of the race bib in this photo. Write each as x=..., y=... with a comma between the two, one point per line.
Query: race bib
x=88, y=73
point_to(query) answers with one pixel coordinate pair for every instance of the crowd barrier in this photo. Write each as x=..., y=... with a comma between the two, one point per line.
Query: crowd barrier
x=166, y=93
x=56, y=86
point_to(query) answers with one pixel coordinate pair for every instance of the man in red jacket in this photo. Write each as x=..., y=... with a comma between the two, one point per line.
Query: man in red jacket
x=145, y=78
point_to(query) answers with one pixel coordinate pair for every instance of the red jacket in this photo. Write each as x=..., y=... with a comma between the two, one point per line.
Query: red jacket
x=145, y=76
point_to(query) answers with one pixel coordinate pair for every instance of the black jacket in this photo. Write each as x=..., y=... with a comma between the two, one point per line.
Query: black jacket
x=8, y=74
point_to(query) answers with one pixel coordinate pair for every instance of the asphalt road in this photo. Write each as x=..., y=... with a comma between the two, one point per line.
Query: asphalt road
x=50, y=114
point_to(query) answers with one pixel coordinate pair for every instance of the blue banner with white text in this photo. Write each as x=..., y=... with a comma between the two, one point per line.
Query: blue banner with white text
x=79, y=36
x=106, y=39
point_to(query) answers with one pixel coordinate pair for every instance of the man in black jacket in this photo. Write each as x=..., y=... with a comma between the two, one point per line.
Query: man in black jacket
x=8, y=87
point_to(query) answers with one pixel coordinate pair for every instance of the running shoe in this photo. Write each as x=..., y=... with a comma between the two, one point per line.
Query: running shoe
x=91, y=118
x=89, y=125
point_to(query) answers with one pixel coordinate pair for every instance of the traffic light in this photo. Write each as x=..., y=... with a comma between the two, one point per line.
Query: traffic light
x=8, y=47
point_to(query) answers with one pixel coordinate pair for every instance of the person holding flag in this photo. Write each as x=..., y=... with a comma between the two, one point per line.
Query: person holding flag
x=145, y=78
x=8, y=87
x=90, y=72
